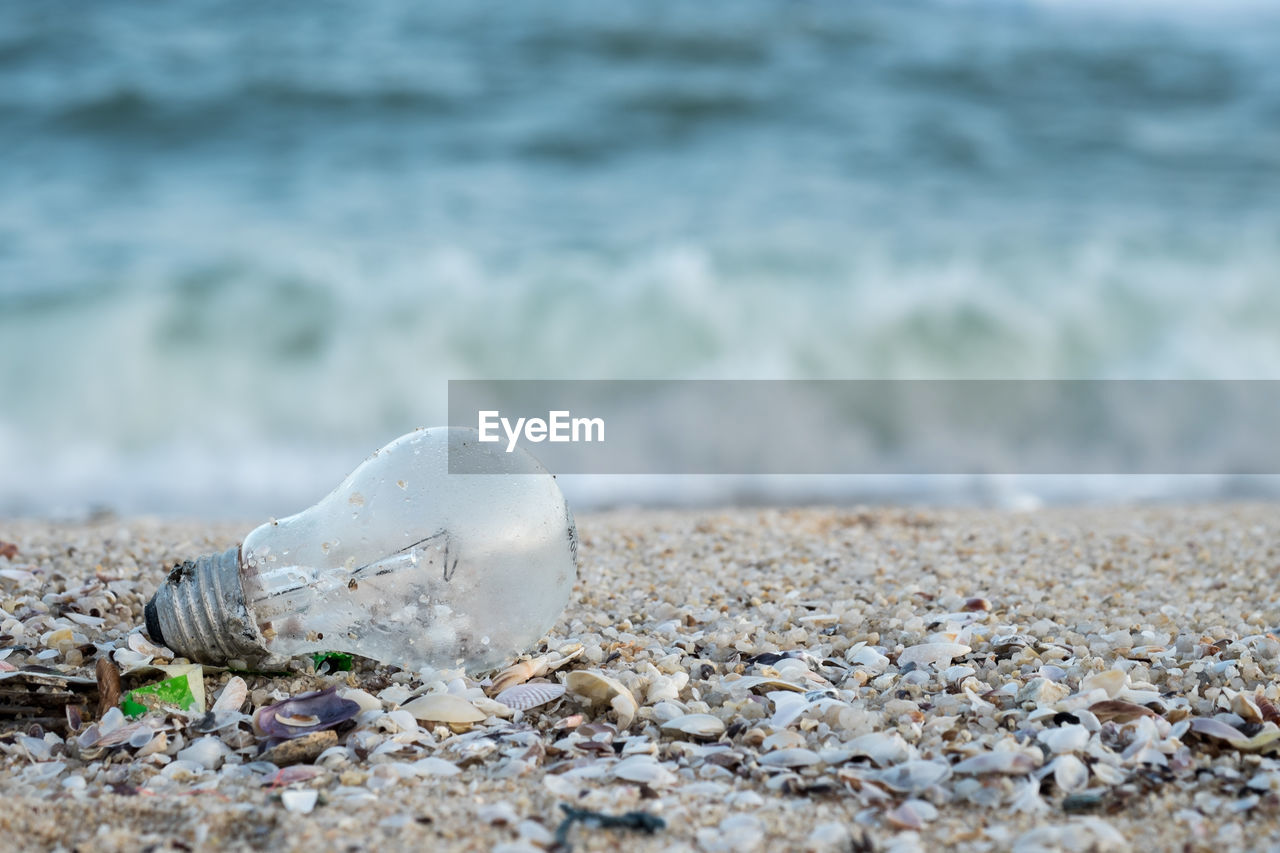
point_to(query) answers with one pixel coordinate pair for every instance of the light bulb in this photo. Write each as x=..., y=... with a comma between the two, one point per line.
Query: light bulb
x=404, y=563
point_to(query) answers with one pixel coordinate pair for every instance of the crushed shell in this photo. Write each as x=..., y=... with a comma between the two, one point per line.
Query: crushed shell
x=878, y=680
x=599, y=689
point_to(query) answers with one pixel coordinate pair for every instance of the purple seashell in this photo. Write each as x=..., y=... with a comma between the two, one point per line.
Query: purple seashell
x=300, y=715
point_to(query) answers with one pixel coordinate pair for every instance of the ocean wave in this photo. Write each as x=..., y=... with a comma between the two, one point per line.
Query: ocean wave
x=227, y=250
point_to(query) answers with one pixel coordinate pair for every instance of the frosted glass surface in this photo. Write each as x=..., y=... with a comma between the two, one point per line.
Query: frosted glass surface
x=409, y=564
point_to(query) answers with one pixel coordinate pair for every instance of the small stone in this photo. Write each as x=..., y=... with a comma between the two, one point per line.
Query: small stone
x=301, y=750
x=300, y=802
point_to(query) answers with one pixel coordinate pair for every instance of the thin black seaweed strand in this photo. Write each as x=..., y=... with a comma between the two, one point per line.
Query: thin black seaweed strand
x=642, y=821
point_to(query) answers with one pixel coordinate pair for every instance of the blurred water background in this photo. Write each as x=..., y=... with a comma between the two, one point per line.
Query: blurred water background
x=243, y=245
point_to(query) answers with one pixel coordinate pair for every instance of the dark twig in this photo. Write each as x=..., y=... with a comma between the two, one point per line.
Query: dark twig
x=642, y=821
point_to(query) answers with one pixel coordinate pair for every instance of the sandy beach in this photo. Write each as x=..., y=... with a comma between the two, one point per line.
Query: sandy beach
x=1080, y=679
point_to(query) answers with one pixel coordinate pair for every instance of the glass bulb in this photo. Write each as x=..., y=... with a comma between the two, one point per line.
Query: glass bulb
x=403, y=562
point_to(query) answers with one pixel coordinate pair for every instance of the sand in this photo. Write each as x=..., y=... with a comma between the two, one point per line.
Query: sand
x=974, y=680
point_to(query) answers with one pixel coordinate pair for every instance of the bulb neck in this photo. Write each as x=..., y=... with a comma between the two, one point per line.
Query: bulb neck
x=200, y=612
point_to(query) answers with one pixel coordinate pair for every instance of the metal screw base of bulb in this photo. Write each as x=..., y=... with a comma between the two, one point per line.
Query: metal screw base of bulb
x=200, y=612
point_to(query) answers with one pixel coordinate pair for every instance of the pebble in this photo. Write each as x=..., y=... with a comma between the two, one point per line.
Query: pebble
x=759, y=679
x=301, y=750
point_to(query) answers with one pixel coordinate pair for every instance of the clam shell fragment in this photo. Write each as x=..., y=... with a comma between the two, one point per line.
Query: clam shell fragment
x=232, y=697
x=444, y=708
x=932, y=653
x=696, y=726
x=599, y=689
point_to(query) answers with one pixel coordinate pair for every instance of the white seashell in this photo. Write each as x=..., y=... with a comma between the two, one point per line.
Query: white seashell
x=1243, y=704
x=1110, y=680
x=738, y=832
x=1083, y=833
x=756, y=682
x=183, y=771
x=43, y=772
x=396, y=694
x=475, y=750
x=1027, y=799
x=89, y=737
x=535, y=834
x=1267, y=781
x=869, y=659
x=141, y=737
x=696, y=725
x=644, y=769
x=599, y=689
x=1070, y=773
x=1041, y=691
x=444, y=708
x=333, y=756
x=1151, y=755
x=432, y=766
x=364, y=740
x=1082, y=701
x=299, y=802
x=130, y=660
x=145, y=647
x=638, y=746
x=402, y=720
x=286, y=776
x=522, y=671
x=490, y=707
x=665, y=688
x=828, y=836
x=794, y=757
x=912, y=776
x=208, y=752
x=523, y=697
x=112, y=720
x=932, y=653
x=367, y=701
x=1050, y=672
x=1215, y=728
x=1140, y=697
x=232, y=696
x=788, y=707
x=664, y=712
x=36, y=748
x=1008, y=762
x=498, y=814
x=389, y=746
x=519, y=673
x=956, y=674
x=913, y=814
x=793, y=669
x=124, y=734
x=1107, y=774
x=785, y=739
x=883, y=748
x=1089, y=720
x=1071, y=738
x=157, y=744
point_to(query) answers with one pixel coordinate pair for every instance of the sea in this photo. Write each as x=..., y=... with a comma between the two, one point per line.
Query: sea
x=243, y=244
